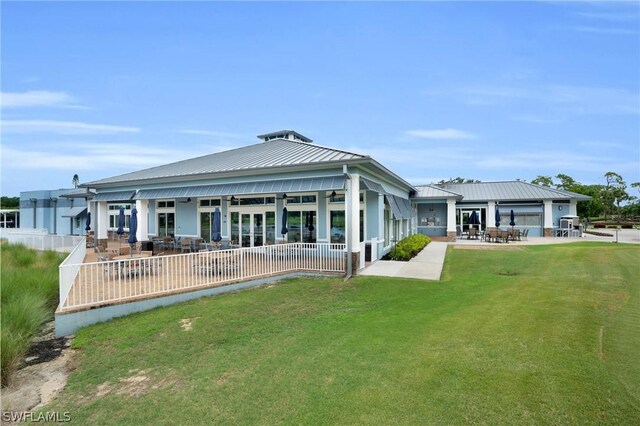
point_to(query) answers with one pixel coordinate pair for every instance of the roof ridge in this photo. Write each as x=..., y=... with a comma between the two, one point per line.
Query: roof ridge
x=325, y=147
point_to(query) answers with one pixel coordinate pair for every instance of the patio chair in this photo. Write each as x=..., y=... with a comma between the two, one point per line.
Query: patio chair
x=525, y=235
x=503, y=236
x=185, y=245
x=168, y=243
x=473, y=233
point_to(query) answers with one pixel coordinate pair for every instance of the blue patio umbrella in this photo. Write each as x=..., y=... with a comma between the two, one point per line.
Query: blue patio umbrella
x=473, y=219
x=497, y=217
x=512, y=222
x=284, y=222
x=88, y=224
x=216, y=237
x=133, y=227
x=310, y=226
x=120, y=229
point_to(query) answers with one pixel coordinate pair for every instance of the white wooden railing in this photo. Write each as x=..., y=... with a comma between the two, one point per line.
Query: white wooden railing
x=103, y=283
x=69, y=268
x=40, y=240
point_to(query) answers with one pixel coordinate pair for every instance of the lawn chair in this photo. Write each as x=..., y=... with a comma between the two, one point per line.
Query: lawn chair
x=473, y=233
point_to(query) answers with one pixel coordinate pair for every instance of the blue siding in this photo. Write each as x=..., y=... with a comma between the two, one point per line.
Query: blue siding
x=186, y=222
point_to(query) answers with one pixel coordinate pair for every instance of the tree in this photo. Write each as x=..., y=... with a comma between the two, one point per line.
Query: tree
x=459, y=180
x=75, y=181
x=546, y=181
x=567, y=183
x=616, y=189
x=9, y=202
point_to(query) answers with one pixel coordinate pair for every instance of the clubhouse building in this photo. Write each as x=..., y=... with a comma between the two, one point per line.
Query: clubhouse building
x=330, y=196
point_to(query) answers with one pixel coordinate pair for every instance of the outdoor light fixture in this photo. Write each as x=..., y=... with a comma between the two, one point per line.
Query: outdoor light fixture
x=232, y=198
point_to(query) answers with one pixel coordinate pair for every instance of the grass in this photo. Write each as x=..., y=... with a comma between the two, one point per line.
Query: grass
x=546, y=334
x=29, y=296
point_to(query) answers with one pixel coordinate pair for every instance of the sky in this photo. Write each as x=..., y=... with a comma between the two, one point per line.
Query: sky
x=489, y=91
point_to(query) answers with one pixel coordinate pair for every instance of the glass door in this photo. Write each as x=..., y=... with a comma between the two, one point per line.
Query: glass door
x=248, y=229
x=245, y=230
x=166, y=224
x=258, y=229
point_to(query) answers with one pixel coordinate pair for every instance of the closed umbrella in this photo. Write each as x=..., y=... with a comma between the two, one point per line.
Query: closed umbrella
x=216, y=237
x=310, y=221
x=473, y=219
x=497, y=217
x=284, y=222
x=133, y=228
x=88, y=224
x=512, y=222
x=120, y=229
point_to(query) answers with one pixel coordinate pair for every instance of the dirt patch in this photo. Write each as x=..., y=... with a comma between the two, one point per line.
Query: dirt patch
x=138, y=383
x=488, y=247
x=42, y=374
x=187, y=323
x=224, y=377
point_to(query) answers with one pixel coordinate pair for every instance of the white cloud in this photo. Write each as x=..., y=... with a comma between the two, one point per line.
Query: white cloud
x=440, y=134
x=214, y=133
x=62, y=127
x=37, y=98
x=578, y=99
x=114, y=158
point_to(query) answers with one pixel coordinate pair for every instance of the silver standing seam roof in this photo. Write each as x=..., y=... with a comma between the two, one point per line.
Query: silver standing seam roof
x=75, y=211
x=496, y=191
x=277, y=153
x=248, y=188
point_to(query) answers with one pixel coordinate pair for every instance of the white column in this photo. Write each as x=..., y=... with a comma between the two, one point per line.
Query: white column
x=491, y=214
x=451, y=215
x=101, y=220
x=352, y=209
x=573, y=207
x=548, y=214
x=143, y=220
x=380, y=225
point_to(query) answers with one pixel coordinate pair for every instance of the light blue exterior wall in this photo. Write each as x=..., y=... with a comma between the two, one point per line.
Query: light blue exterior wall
x=153, y=230
x=50, y=210
x=372, y=215
x=557, y=213
x=321, y=231
x=186, y=219
x=432, y=212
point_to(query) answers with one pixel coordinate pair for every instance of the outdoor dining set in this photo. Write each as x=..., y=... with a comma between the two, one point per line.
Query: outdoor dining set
x=496, y=235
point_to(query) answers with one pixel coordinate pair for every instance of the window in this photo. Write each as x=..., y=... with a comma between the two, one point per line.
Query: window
x=166, y=218
x=252, y=201
x=337, y=226
x=299, y=224
x=301, y=199
x=210, y=202
x=166, y=204
x=113, y=213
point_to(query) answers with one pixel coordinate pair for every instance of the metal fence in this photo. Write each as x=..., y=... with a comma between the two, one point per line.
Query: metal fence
x=40, y=240
x=139, y=276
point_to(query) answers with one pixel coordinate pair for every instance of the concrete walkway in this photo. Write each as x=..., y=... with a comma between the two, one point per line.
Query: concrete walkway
x=427, y=265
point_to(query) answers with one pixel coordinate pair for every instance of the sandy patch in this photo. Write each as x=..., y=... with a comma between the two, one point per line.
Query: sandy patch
x=187, y=323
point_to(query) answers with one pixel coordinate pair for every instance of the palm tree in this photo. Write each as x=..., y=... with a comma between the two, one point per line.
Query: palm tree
x=75, y=181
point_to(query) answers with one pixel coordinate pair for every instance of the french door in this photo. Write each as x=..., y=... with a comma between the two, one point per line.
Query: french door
x=248, y=229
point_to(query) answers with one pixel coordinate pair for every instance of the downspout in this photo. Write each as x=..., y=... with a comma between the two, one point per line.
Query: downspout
x=34, y=201
x=55, y=214
x=347, y=213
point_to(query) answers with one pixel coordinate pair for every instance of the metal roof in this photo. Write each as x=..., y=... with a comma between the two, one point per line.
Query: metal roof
x=114, y=196
x=272, y=154
x=79, y=193
x=75, y=211
x=432, y=191
x=400, y=207
x=267, y=187
x=509, y=190
x=372, y=186
x=284, y=132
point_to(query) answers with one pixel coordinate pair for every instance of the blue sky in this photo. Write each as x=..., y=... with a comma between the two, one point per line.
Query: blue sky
x=491, y=91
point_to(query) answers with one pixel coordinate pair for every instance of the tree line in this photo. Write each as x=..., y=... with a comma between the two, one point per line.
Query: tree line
x=606, y=198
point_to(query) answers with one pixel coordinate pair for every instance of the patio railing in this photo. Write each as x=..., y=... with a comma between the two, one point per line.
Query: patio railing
x=126, y=279
x=40, y=240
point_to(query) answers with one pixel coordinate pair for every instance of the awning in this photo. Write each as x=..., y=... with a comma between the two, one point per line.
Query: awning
x=372, y=186
x=114, y=196
x=400, y=207
x=328, y=183
x=75, y=211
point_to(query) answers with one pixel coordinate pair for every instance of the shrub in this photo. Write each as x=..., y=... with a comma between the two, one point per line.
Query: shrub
x=409, y=247
x=599, y=225
x=28, y=297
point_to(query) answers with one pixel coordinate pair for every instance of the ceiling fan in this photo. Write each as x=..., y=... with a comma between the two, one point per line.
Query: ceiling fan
x=333, y=194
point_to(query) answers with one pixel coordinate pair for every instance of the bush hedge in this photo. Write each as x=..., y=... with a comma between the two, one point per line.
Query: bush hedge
x=409, y=247
x=29, y=297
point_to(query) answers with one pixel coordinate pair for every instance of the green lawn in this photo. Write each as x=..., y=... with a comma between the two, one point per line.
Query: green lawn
x=507, y=337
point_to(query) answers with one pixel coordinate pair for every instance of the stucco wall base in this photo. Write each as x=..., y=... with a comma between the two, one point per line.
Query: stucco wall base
x=451, y=236
x=69, y=323
x=548, y=232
